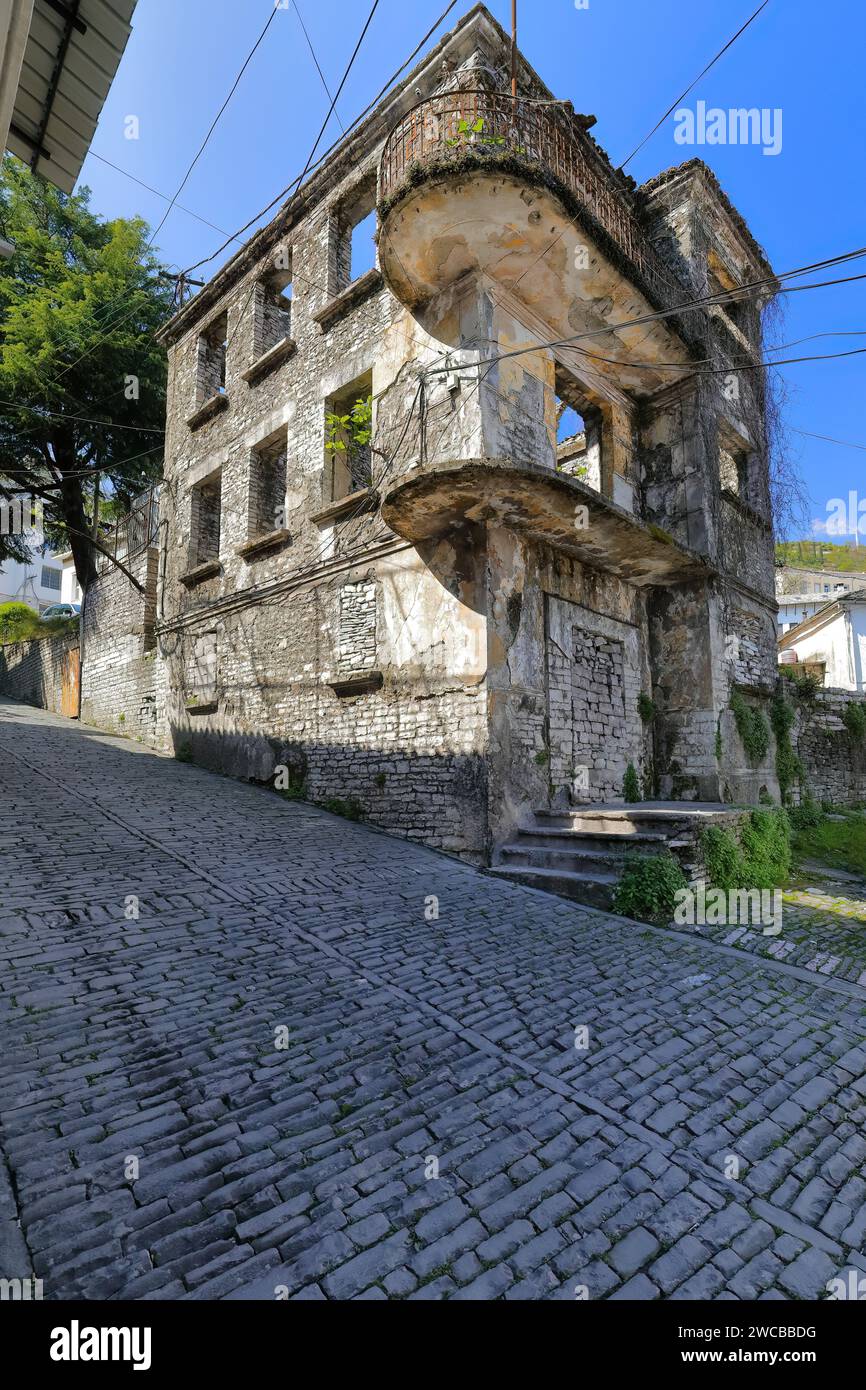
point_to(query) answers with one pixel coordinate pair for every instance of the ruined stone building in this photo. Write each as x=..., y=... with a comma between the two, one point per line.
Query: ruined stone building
x=388, y=562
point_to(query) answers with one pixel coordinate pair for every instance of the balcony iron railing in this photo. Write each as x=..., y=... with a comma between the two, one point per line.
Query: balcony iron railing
x=445, y=127
x=134, y=533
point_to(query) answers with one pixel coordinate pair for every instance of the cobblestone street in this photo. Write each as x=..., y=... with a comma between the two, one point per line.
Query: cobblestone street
x=328, y=1091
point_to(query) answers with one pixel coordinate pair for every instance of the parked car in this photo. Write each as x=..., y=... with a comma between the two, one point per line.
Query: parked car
x=60, y=610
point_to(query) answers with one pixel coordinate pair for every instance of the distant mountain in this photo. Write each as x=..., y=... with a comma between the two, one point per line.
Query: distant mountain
x=822, y=555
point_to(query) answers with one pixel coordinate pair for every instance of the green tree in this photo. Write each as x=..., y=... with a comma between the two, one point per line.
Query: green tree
x=82, y=382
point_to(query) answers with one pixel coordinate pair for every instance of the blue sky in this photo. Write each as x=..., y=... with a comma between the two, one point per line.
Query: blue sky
x=623, y=60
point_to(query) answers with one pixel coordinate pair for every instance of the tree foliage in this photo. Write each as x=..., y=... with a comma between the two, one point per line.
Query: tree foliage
x=80, y=300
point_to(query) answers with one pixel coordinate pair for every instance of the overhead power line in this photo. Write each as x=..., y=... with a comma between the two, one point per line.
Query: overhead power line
x=312, y=155
x=316, y=61
x=83, y=419
x=692, y=85
x=215, y=121
x=846, y=444
x=296, y=181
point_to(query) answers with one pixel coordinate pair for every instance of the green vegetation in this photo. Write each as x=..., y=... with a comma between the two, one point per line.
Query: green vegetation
x=81, y=298
x=822, y=555
x=840, y=844
x=21, y=623
x=854, y=720
x=350, y=809
x=751, y=726
x=350, y=434
x=474, y=134
x=805, y=685
x=761, y=858
x=18, y=621
x=788, y=765
x=630, y=785
x=646, y=708
x=648, y=887
x=807, y=814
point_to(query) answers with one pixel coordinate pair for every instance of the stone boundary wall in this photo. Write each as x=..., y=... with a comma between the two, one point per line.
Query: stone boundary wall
x=834, y=760
x=31, y=671
x=122, y=688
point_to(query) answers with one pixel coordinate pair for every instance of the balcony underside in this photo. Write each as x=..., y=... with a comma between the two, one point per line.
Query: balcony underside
x=519, y=230
x=548, y=508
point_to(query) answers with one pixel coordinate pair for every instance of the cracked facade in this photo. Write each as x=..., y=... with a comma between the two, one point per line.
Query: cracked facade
x=452, y=622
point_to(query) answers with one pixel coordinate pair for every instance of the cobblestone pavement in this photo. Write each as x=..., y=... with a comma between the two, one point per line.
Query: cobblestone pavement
x=823, y=932
x=329, y=1091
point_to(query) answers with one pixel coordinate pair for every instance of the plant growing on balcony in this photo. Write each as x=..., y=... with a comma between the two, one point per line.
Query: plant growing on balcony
x=473, y=134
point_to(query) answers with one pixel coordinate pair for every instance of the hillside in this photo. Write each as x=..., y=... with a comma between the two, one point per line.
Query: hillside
x=822, y=555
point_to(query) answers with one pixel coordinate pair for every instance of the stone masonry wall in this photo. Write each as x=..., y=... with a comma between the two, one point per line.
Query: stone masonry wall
x=406, y=743
x=31, y=671
x=834, y=760
x=594, y=680
x=122, y=679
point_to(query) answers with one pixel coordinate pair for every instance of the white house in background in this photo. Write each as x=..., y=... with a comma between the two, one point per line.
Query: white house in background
x=38, y=582
x=834, y=636
x=801, y=592
x=793, y=608
x=70, y=589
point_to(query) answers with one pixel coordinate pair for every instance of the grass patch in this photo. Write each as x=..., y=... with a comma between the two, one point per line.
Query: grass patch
x=840, y=844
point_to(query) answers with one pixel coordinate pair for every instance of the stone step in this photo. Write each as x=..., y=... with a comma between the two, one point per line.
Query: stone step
x=614, y=842
x=593, y=890
x=662, y=817
x=575, y=857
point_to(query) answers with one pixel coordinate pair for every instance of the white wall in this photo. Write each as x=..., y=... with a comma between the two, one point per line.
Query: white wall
x=22, y=583
x=70, y=590
x=841, y=644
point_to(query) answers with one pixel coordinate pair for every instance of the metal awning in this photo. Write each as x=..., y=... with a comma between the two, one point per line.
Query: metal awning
x=72, y=54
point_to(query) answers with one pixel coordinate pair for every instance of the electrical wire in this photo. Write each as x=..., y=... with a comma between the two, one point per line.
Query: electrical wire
x=295, y=182
x=712, y=63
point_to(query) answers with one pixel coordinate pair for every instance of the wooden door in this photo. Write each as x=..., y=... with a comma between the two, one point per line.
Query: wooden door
x=70, y=677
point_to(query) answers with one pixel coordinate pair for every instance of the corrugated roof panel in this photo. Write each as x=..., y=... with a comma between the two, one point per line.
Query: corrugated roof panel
x=73, y=107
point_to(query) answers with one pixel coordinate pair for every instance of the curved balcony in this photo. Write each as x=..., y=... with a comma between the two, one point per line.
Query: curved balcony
x=546, y=507
x=537, y=142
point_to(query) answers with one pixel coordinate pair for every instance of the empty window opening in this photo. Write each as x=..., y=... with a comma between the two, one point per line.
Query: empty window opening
x=363, y=249
x=206, y=500
x=273, y=311
x=267, y=497
x=734, y=472
x=348, y=439
x=354, y=243
x=578, y=434
x=212, y=344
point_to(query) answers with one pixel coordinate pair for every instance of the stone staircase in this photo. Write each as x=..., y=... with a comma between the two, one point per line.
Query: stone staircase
x=580, y=853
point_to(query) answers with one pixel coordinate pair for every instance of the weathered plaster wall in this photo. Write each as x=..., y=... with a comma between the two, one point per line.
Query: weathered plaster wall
x=410, y=752
x=536, y=594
